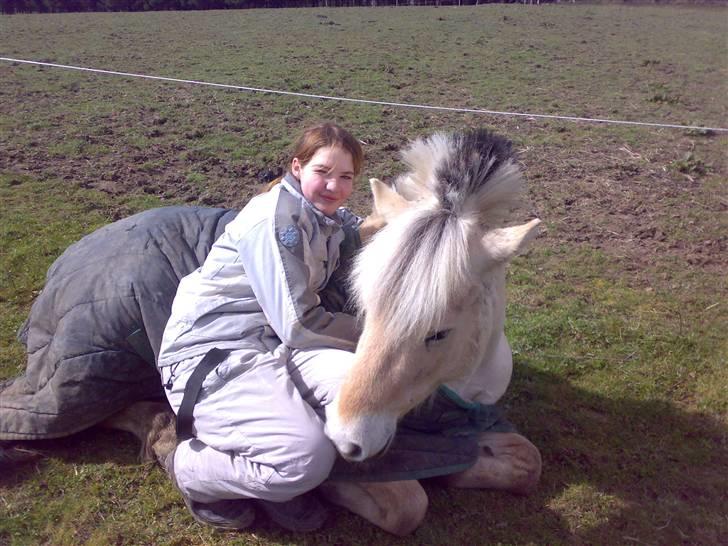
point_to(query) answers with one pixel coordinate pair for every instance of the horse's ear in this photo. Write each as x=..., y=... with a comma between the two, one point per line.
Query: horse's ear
x=387, y=204
x=503, y=244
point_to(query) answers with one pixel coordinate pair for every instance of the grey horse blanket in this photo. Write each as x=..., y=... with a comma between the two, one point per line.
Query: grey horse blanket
x=103, y=309
x=94, y=332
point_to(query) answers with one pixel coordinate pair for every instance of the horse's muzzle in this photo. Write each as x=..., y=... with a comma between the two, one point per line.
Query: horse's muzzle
x=361, y=438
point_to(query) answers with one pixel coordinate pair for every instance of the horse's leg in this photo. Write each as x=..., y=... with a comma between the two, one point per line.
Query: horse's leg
x=507, y=461
x=153, y=423
x=396, y=507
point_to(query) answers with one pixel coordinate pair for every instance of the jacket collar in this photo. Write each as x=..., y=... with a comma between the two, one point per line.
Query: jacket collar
x=293, y=186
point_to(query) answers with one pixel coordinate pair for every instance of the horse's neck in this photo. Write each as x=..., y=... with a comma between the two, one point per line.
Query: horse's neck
x=490, y=377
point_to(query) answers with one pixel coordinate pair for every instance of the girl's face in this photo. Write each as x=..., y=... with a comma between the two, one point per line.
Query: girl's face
x=327, y=180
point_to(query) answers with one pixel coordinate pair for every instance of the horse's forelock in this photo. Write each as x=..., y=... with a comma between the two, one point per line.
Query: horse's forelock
x=468, y=172
x=423, y=158
x=415, y=269
x=421, y=271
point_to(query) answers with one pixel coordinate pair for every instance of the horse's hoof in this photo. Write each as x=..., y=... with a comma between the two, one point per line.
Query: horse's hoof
x=508, y=462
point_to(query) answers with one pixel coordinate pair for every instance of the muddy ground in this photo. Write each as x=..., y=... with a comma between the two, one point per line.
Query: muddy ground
x=642, y=204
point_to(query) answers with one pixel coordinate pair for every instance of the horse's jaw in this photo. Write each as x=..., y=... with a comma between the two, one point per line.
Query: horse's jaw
x=359, y=438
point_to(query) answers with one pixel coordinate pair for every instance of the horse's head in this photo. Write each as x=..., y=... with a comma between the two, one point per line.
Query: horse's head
x=430, y=283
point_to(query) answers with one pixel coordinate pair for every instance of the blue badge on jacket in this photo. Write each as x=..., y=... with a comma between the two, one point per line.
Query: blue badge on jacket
x=289, y=236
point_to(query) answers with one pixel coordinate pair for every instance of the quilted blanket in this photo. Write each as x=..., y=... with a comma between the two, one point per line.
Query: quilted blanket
x=94, y=331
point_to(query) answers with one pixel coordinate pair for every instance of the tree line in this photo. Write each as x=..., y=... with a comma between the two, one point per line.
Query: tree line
x=58, y=6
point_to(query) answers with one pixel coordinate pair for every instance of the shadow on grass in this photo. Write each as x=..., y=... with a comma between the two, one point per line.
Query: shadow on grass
x=619, y=470
x=615, y=470
x=91, y=446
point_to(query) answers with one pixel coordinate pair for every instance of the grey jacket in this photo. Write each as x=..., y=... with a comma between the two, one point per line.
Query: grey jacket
x=262, y=278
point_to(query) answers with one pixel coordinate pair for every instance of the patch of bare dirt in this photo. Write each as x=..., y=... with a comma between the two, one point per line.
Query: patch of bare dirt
x=638, y=207
x=663, y=199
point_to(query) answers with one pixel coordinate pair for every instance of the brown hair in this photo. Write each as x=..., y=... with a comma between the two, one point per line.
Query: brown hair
x=323, y=136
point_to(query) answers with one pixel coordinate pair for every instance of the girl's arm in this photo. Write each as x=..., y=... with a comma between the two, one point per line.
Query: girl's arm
x=273, y=256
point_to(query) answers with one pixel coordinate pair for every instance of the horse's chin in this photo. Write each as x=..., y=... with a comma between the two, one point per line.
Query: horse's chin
x=361, y=438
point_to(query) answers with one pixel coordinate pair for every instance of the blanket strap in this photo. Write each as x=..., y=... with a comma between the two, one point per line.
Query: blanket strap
x=192, y=391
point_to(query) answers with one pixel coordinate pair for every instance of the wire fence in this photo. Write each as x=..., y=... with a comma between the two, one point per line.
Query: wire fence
x=529, y=115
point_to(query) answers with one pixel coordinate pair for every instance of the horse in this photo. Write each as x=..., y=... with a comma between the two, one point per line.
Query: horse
x=430, y=286
x=429, y=283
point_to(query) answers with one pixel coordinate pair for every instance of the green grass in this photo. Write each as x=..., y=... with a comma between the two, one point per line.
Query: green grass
x=603, y=334
x=616, y=316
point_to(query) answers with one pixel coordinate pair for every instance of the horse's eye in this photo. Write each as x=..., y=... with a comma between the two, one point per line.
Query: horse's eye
x=437, y=336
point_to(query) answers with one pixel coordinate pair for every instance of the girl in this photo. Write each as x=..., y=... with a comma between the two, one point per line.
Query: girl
x=257, y=420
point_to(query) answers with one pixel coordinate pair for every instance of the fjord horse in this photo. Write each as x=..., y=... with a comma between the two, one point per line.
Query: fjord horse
x=430, y=285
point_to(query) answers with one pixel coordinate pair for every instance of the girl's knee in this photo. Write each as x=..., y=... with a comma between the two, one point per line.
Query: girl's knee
x=310, y=464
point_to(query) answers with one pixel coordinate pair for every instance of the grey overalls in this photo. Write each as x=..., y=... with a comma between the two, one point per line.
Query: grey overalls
x=257, y=423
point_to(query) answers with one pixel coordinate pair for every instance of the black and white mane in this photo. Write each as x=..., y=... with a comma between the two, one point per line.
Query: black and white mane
x=418, y=266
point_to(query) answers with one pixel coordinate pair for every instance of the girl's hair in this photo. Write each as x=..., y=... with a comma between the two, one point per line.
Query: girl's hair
x=323, y=136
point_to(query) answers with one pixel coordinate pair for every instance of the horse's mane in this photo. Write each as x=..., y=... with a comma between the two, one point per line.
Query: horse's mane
x=420, y=264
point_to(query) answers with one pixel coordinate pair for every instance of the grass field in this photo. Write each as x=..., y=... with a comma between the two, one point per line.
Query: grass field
x=617, y=316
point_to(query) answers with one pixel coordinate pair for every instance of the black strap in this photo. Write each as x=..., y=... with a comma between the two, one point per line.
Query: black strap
x=192, y=391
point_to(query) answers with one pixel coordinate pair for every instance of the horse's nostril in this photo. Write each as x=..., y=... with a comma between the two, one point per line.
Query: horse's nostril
x=350, y=451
